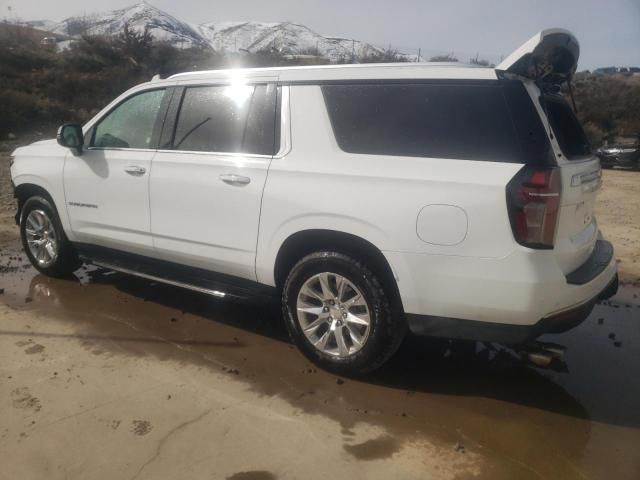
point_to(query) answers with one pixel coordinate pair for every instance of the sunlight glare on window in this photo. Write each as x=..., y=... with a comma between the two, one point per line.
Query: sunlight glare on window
x=239, y=92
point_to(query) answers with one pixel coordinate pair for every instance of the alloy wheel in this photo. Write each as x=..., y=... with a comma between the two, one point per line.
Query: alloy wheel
x=41, y=238
x=333, y=314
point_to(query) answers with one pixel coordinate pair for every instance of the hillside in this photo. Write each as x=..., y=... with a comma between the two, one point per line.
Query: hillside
x=161, y=25
x=283, y=37
x=286, y=38
x=40, y=87
x=608, y=106
x=28, y=34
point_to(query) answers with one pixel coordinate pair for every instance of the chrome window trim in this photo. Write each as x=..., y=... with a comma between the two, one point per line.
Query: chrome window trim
x=118, y=149
x=227, y=80
x=285, y=123
x=217, y=154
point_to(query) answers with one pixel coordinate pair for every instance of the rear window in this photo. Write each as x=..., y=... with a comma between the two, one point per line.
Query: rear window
x=567, y=128
x=424, y=120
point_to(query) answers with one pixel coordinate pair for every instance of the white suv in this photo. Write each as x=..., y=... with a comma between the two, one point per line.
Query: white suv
x=373, y=199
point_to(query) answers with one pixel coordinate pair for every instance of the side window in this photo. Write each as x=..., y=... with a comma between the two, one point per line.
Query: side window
x=130, y=124
x=261, y=135
x=212, y=119
x=228, y=119
x=423, y=120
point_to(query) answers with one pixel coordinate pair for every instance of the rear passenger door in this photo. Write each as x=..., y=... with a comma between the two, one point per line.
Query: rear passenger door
x=209, y=173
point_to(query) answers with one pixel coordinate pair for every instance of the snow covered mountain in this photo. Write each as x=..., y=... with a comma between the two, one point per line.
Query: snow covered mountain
x=232, y=37
x=160, y=24
x=283, y=37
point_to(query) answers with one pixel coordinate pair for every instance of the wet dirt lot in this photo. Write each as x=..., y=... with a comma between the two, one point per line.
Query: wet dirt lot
x=108, y=376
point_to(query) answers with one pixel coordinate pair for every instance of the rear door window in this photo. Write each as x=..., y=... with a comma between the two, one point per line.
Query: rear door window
x=227, y=119
x=455, y=121
x=261, y=133
x=567, y=129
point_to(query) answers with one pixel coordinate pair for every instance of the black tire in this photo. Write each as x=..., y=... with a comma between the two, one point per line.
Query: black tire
x=66, y=261
x=386, y=330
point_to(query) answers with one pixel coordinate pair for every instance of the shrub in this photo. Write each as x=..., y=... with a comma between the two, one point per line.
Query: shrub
x=444, y=58
x=38, y=86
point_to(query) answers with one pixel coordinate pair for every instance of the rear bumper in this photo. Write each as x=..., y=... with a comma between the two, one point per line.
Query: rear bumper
x=506, y=333
x=509, y=300
x=597, y=263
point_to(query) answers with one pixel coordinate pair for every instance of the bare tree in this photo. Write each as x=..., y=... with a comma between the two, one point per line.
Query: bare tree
x=135, y=45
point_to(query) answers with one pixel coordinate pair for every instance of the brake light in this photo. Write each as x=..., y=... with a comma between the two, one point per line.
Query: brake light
x=533, y=200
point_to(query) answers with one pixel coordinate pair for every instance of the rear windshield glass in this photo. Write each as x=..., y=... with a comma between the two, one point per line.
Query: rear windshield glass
x=567, y=128
x=465, y=121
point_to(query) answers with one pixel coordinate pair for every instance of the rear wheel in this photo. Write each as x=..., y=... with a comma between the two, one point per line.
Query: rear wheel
x=44, y=240
x=339, y=315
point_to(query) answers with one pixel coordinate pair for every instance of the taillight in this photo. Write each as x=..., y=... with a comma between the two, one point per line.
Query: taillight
x=533, y=199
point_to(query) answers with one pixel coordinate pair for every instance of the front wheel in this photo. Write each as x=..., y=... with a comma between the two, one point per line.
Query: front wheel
x=44, y=240
x=339, y=315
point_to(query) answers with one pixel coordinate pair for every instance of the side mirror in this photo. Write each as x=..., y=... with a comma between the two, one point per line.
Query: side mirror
x=70, y=136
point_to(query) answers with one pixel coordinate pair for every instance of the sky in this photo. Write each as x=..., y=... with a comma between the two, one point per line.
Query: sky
x=608, y=30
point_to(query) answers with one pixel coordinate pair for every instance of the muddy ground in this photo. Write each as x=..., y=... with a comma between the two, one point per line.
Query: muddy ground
x=107, y=376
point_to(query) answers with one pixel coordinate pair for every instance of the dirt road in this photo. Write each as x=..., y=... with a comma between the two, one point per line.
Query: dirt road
x=618, y=214
x=107, y=376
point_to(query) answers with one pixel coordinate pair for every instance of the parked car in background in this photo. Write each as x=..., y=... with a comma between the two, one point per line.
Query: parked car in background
x=448, y=200
x=620, y=155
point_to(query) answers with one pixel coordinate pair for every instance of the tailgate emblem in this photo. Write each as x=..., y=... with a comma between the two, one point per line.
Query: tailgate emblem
x=590, y=180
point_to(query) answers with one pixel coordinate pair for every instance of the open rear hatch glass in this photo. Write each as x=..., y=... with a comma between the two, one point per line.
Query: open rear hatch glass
x=549, y=59
x=550, y=56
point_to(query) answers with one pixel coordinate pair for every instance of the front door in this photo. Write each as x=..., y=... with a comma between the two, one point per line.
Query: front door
x=107, y=187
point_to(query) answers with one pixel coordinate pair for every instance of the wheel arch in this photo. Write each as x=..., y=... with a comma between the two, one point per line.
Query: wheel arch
x=304, y=242
x=24, y=191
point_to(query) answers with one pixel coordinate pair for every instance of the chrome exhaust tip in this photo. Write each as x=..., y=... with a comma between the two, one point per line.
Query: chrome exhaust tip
x=539, y=359
x=543, y=355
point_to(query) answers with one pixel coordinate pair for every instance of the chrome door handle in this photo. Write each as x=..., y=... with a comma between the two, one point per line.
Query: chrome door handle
x=135, y=170
x=233, y=179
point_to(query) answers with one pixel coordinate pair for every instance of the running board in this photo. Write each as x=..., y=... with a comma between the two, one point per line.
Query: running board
x=195, y=288
x=175, y=274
